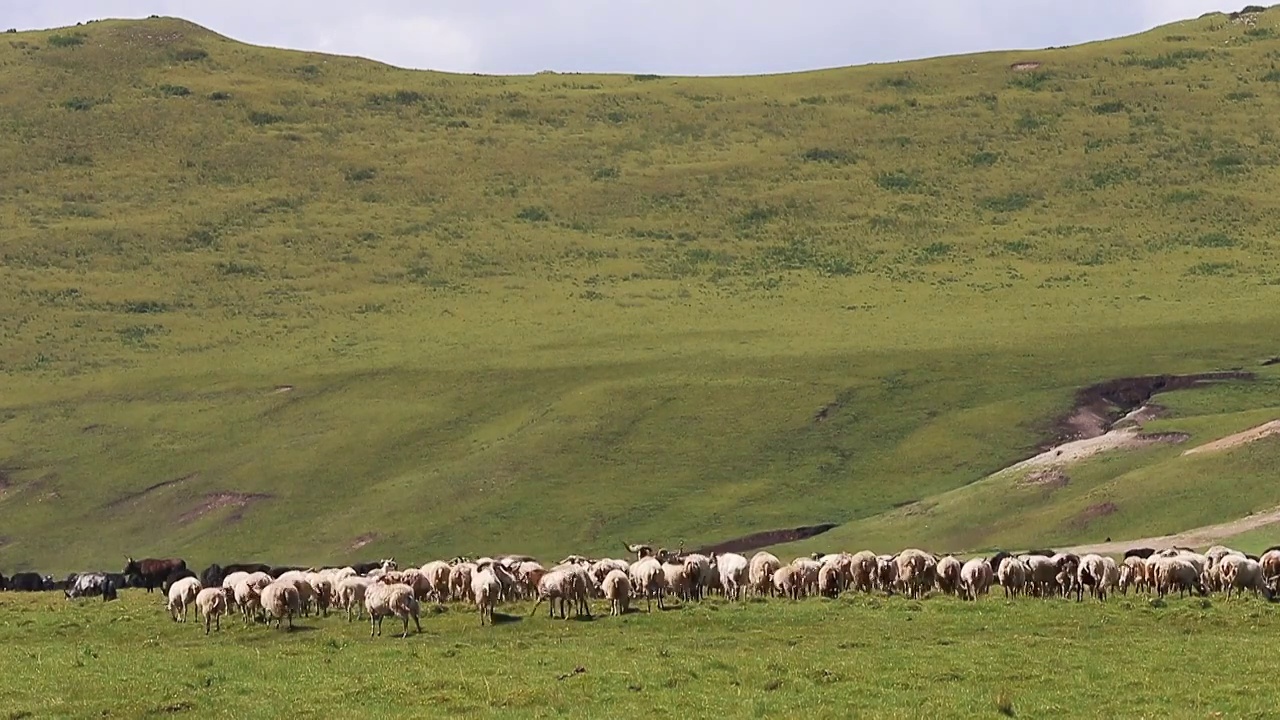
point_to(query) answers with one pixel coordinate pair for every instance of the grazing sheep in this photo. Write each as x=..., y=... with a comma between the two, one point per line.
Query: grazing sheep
x=232, y=579
x=1270, y=562
x=556, y=585
x=211, y=603
x=1240, y=573
x=1013, y=576
x=975, y=578
x=280, y=600
x=321, y=587
x=886, y=573
x=1179, y=573
x=486, y=589
x=350, y=595
x=1133, y=572
x=734, y=573
x=617, y=590
x=678, y=582
x=786, y=582
x=182, y=594
x=382, y=600
x=648, y=579
x=862, y=567
x=948, y=574
x=248, y=594
x=1091, y=572
x=760, y=572
x=460, y=580
x=913, y=567
x=829, y=580
x=1043, y=575
x=437, y=574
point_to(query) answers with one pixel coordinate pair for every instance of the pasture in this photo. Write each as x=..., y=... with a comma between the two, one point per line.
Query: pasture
x=276, y=305
x=868, y=656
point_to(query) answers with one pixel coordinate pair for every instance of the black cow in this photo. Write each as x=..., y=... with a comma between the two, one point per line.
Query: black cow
x=118, y=580
x=50, y=584
x=26, y=582
x=4, y=582
x=153, y=571
x=1143, y=553
x=997, y=559
x=174, y=577
x=279, y=570
x=1046, y=553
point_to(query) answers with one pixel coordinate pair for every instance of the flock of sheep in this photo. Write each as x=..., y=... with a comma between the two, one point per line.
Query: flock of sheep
x=569, y=586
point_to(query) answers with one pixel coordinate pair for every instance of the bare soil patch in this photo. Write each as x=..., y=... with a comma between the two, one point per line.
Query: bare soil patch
x=281, y=389
x=1093, y=512
x=1253, y=434
x=363, y=540
x=130, y=497
x=215, y=501
x=766, y=538
x=1097, y=408
x=1051, y=478
x=1025, y=66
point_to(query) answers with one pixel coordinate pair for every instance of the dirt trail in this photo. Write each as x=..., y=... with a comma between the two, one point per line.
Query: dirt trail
x=1196, y=537
x=1241, y=438
x=1077, y=450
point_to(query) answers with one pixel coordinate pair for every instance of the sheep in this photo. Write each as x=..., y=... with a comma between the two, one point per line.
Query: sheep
x=829, y=580
x=558, y=585
x=786, y=582
x=460, y=580
x=1133, y=572
x=760, y=572
x=734, y=574
x=486, y=589
x=350, y=595
x=948, y=574
x=528, y=573
x=863, y=569
x=1013, y=576
x=281, y=600
x=298, y=578
x=701, y=573
x=807, y=575
x=182, y=593
x=886, y=573
x=677, y=580
x=913, y=566
x=1091, y=572
x=1043, y=575
x=248, y=593
x=436, y=573
x=382, y=600
x=617, y=590
x=648, y=579
x=975, y=578
x=1110, y=575
x=211, y=603
x=1240, y=573
x=322, y=590
x=232, y=579
x=1270, y=562
x=1180, y=573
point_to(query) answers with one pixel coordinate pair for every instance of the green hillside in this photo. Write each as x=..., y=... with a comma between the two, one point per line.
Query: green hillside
x=268, y=304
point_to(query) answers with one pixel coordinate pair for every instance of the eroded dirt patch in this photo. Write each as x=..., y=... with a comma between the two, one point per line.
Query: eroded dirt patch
x=1025, y=66
x=130, y=497
x=754, y=541
x=1050, y=478
x=1093, y=512
x=1097, y=408
x=1253, y=434
x=215, y=501
x=281, y=389
x=363, y=540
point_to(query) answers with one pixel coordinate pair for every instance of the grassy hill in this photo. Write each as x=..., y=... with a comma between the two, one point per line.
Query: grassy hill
x=258, y=303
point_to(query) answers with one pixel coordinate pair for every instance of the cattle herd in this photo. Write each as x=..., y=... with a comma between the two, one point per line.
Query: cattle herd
x=377, y=590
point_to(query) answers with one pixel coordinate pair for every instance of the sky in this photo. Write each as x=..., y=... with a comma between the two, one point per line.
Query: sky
x=668, y=37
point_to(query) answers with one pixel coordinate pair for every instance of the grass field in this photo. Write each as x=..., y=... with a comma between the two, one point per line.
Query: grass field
x=268, y=305
x=871, y=657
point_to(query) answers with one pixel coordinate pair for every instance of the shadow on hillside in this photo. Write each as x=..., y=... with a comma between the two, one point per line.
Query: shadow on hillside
x=504, y=618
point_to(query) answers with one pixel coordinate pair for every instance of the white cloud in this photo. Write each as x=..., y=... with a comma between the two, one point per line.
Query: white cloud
x=663, y=36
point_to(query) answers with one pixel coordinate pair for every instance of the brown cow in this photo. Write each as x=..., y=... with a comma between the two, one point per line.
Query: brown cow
x=153, y=571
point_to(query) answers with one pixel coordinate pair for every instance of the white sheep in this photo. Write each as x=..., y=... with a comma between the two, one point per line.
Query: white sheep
x=1013, y=576
x=280, y=600
x=914, y=573
x=211, y=603
x=975, y=578
x=787, y=582
x=948, y=574
x=733, y=570
x=382, y=600
x=350, y=595
x=232, y=579
x=460, y=580
x=760, y=572
x=248, y=593
x=617, y=590
x=648, y=579
x=486, y=589
x=437, y=574
x=321, y=586
x=1091, y=572
x=862, y=567
x=182, y=594
x=1240, y=573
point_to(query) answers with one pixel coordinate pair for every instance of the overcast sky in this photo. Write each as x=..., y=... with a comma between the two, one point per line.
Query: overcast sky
x=673, y=37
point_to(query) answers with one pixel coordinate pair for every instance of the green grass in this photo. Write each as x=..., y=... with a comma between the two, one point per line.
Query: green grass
x=546, y=313
x=855, y=655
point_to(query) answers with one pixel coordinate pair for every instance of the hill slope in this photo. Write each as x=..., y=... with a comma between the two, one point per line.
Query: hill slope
x=301, y=307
